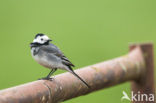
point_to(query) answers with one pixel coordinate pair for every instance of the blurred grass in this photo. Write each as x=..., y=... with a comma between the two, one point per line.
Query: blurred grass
x=87, y=31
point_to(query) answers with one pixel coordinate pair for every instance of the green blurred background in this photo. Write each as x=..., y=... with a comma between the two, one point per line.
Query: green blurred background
x=87, y=31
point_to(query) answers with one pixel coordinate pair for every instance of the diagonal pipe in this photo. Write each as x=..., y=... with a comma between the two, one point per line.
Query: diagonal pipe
x=65, y=86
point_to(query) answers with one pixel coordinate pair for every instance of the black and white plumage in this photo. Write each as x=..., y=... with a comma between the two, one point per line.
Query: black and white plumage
x=50, y=56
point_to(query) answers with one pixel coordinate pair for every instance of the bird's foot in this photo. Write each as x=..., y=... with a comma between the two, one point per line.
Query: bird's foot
x=46, y=78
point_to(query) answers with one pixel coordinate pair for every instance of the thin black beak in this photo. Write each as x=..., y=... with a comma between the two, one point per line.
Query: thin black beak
x=31, y=44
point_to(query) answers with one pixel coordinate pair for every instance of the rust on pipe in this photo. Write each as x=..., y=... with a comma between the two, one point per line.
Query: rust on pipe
x=65, y=86
x=145, y=85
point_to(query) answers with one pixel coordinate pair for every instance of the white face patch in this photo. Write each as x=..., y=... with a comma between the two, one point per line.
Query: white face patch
x=41, y=39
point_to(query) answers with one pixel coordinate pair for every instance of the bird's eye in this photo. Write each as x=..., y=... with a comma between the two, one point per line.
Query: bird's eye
x=41, y=39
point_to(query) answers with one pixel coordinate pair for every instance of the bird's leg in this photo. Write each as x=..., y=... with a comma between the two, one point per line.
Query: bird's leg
x=51, y=72
x=48, y=76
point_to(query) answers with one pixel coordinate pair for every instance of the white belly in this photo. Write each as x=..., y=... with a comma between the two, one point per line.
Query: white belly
x=42, y=60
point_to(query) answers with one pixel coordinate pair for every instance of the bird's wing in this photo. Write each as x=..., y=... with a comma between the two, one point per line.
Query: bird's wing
x=56, y=51
x=52, y=49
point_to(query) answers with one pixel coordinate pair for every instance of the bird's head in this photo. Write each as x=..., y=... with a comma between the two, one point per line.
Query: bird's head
x=40, y=39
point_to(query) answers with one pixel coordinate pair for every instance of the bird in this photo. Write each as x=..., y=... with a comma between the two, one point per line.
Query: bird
x=50, y=56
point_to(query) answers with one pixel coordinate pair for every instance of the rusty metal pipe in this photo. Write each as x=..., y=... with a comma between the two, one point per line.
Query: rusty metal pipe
x=65, y=86
x=145, y=85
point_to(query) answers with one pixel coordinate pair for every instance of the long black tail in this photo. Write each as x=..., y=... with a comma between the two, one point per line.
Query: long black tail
x=79, y=78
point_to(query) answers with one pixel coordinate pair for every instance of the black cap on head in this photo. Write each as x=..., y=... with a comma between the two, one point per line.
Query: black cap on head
x=39, y=34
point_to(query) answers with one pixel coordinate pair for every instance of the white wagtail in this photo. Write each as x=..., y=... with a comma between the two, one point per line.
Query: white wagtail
x=50, y=56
